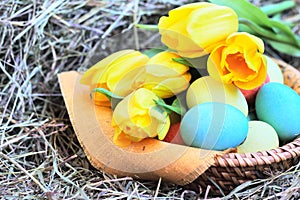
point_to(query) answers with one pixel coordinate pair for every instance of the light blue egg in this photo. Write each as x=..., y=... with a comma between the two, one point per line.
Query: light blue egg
x=279, y=106
x=213, y=125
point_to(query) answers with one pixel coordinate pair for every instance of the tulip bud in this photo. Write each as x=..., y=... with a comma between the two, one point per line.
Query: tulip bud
x=194, y=30
x=164, y=76
x=137, y=117
x=110, y=74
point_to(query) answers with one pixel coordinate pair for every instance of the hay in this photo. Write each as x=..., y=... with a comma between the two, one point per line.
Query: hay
x=40, y=156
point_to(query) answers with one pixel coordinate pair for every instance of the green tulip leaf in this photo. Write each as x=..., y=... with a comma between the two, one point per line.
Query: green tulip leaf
x=279, y=7
x=169, y=108
x=286, y=31
x=113, y=98
x=152, y=52
x=285, y=48
x=177, y=104
x=183, y=61
x=267, y=34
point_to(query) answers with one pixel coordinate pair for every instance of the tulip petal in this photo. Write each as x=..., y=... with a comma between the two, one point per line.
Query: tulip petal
x=162, y=64
x=120, y=138
x=246, y=40
x=171, y=86
x=119, y=69
x=164, y=130
x=257, y=81
x=214, y=66
x=213, y=24
x=194, y=30
x=91, y=76
x=237, y=65
x=98, y=98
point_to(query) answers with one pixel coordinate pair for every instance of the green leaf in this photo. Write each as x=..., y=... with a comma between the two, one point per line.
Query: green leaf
x=266, y=33
x=285, y=48
x=177, y=104
x=113, y=98
x=285, y=31
x=183, y=61
x=152, y=52
x=168, y=108
x=272, y=9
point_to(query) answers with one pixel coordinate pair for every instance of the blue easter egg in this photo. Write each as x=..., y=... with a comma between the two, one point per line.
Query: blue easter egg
x=279, y=106
x=214, y=125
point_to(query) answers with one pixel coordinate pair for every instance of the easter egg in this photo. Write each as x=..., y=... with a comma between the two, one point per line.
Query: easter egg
x=173, y=135
x=253, y=143
x=207, y=89
x=274, y=71
x=214, y=125
x=279, y=106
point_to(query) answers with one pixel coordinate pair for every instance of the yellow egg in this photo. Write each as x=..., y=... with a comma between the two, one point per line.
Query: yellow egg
x=207, y=89
x=274, y=71
x=261, y=136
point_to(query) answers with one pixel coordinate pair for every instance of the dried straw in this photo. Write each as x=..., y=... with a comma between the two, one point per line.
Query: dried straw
x=40, y=156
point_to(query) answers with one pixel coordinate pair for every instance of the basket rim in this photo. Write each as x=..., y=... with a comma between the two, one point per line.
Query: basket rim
x=282, y=153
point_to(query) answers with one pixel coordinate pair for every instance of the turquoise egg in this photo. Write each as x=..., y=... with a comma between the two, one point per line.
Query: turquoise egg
x=279, y=106
x=214, y=125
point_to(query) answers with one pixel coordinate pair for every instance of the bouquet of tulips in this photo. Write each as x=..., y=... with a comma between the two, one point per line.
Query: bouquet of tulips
x=145, y=90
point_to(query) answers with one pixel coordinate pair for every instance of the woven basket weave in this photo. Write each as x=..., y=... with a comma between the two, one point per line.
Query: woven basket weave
x=233, y=169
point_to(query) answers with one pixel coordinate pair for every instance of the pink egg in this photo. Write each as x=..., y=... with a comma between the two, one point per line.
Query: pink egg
x=250, y=95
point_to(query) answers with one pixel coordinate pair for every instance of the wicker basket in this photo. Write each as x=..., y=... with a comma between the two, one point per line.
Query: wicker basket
x=233, y=169
x=225, y=173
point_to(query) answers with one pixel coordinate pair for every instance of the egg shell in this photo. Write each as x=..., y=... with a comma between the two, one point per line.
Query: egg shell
x=279, y=106
x=214, y=125
x=274, y=71
x=173, y=135
x=254, y=143
x=207, y=89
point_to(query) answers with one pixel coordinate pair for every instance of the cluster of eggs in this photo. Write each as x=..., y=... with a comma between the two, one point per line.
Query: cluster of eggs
x=219, y=116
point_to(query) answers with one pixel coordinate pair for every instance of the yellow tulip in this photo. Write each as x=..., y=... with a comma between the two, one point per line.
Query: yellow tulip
x=240, y=61
x=112, y=73
x=164, y=76
x=194, y=30
x=137, y=117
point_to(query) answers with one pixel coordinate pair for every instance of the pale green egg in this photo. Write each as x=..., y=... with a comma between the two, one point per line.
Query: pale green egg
x=207, y=89
x=274, y=71
x=261, y=137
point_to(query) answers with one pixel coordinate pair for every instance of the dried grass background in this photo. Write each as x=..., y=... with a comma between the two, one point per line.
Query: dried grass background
x=40, y=157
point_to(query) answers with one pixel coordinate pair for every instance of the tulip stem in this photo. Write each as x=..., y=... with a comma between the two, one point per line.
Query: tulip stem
x=150, y=27
x=177, y=109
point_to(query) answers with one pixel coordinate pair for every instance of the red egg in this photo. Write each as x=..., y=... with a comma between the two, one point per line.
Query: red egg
x=250, y=95
x=173, y=135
